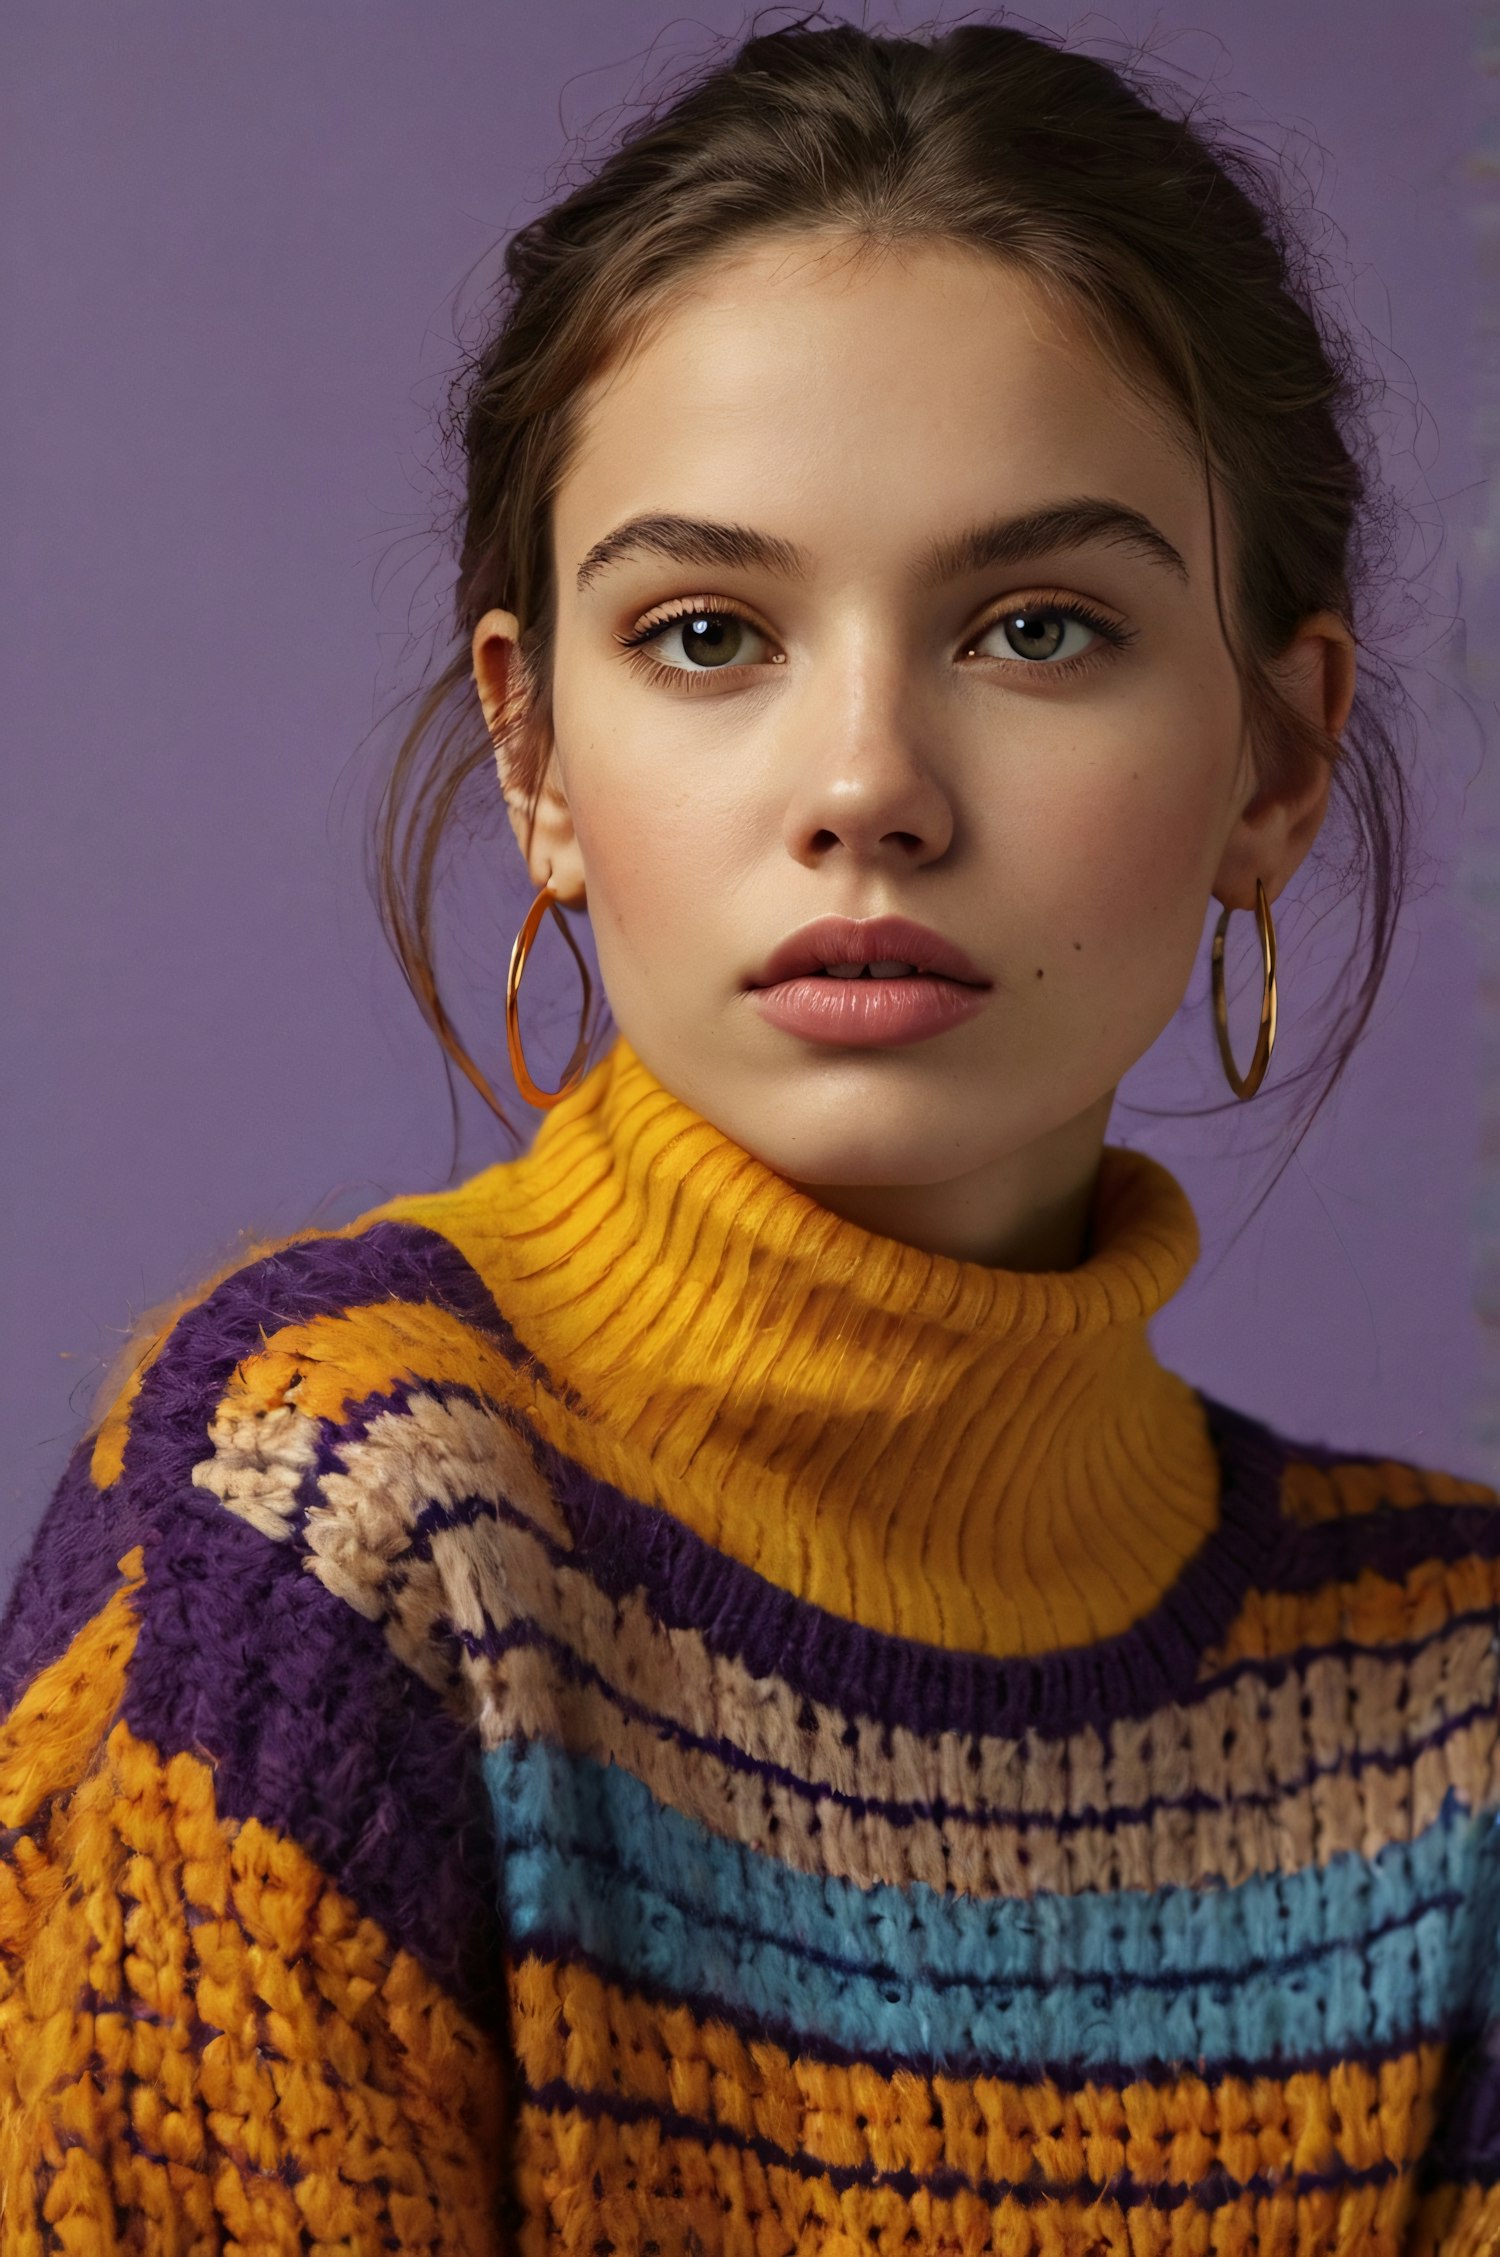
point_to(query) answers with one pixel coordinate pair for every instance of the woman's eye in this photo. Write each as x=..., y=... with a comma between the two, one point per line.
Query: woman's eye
x=1040, y=632
x=703, y=639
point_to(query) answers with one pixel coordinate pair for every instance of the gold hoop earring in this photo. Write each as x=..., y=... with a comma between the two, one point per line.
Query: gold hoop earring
x=1267, y=1033
x=574, y=1073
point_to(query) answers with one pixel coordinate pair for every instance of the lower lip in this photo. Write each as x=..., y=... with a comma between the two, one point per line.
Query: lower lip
x=860, y=1013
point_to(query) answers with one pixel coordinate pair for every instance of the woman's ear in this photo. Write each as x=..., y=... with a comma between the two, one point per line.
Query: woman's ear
x=549, y=843
x=1273, y=836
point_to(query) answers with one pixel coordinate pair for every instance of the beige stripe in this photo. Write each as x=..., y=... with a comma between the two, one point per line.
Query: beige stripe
x=1247, y=1739
x=534, y=1697
x=260, y=1455
x=359, y=1538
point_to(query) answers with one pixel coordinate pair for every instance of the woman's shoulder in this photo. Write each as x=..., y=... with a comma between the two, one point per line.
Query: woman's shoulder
x=1297, y=1483
x=1344, y=1550
x=321, y=1315
x=245, y=1398
x=215, y=1701
x=249, y=1562
x=1367, y=1510
x=1325, y=1483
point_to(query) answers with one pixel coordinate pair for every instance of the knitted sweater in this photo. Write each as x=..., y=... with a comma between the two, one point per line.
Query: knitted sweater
x=610, y=1709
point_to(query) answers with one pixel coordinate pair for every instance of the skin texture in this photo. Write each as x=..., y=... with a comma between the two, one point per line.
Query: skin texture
x=879, y=746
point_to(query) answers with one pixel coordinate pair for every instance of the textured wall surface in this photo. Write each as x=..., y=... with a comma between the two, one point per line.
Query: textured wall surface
x=233, y=244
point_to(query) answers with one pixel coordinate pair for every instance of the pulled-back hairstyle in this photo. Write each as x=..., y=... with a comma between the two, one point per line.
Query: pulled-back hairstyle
x=1173, y=248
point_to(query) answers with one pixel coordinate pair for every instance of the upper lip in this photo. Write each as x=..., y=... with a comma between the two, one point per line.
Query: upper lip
x=867, y=940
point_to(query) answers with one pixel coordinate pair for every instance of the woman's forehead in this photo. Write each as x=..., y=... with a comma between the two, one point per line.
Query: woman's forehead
x=813, y=390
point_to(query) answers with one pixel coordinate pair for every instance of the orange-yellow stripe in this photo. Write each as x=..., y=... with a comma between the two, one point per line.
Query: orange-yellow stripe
x=589, y=2185
x=575, y=2028
x=331, y=2053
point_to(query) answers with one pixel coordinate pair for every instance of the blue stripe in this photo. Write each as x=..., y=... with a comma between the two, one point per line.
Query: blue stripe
x=1354, y=1953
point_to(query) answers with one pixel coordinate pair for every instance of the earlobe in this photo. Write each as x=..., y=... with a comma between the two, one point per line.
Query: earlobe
x=1272, y=837
x=1317, y=673
x=549, y=842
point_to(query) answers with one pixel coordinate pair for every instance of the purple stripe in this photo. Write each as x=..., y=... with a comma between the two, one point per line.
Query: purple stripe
x=70, y=1569
x=625, y=1546
x=315, y=1727
x=1271, y=1669
x=558, y=1950
x=312, y=1724
x=1392, y=1539
x=1215, y=2190
x=312, y=1278
x=1330, y=1457
x=1467, y=2142
x=1391, y=1542
x=1274, y=1669
x=68, y=1572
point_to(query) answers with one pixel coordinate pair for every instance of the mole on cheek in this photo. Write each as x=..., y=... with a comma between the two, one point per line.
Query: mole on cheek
x=1039, y=971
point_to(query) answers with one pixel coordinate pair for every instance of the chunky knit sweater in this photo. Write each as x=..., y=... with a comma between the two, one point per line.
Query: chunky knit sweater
x=612, y=1710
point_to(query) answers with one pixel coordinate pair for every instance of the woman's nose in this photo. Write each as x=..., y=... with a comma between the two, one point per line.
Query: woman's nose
x=864, y=779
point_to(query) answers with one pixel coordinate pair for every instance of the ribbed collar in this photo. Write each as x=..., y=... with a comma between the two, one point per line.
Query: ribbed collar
x=981, y=1458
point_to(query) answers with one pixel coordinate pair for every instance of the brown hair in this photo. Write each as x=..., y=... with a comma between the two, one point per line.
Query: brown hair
x=1174, y=247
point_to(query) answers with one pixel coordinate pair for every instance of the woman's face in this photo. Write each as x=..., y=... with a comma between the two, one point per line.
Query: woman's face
x=917, y=618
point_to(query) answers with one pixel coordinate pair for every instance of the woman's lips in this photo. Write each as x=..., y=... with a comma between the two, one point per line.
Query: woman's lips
x=863, y=1013
x=887, y=939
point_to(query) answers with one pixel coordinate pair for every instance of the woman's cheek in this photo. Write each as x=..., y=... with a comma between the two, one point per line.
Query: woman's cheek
x=1115, y=870
x=643, y=864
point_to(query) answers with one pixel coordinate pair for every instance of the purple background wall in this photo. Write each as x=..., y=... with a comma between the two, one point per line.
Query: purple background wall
x=232, y=242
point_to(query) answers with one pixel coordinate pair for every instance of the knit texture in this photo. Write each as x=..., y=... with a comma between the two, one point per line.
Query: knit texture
x=611, y=1710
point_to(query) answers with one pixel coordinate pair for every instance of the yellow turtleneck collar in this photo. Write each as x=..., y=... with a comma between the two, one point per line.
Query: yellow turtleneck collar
x=985, y=1459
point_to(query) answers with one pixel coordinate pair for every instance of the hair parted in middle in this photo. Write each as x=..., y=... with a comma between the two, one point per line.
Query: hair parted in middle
x=1172, y=246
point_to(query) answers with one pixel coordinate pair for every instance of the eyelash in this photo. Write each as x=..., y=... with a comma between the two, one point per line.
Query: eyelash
x=635, y=645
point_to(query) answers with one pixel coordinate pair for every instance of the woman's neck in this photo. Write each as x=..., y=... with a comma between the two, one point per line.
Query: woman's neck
x=974, y=1456
x=1030, y=1211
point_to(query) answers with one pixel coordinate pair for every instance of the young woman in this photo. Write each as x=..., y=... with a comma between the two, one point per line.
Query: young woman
x=704, y=1691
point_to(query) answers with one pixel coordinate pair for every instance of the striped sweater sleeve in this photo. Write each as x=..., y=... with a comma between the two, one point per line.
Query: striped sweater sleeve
x=250, y=1987
x=1459, y=2213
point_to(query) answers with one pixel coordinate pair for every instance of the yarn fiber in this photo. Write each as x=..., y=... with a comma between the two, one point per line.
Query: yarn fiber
x=610, y=1710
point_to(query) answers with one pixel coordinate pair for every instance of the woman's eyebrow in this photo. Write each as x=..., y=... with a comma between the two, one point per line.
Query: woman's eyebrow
x=999, y=543
x=1007, y=541
x=692, y=540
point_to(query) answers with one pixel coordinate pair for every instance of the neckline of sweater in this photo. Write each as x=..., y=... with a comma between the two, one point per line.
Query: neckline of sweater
x=989, y=1461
